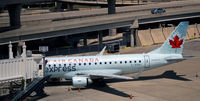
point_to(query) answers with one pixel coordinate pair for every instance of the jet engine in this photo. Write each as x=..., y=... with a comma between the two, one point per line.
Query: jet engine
x=81, y=81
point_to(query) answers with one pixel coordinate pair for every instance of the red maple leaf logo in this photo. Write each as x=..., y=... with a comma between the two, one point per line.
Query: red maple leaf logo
x=176, y=43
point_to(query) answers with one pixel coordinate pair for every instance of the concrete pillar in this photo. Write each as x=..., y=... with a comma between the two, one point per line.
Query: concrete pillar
x=75, y=44
x=124, y=41
x=14, y=14
x=111, y=6
x=111, y=10
x=112, y=32
x=138, y=1
x=24, y=50
x=100, y=38
x=70, y=6
x=132, y=38
x=85, y=40
x=58, y=4
x=1, y=10
x=10, y=51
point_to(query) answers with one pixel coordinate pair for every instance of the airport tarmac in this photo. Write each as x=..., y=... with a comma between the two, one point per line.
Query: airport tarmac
x=175, y=82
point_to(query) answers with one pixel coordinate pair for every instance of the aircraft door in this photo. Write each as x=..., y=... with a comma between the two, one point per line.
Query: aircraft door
x=146, y=61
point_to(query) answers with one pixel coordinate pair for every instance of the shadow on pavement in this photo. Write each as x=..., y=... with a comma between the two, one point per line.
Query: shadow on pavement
x=167, y=74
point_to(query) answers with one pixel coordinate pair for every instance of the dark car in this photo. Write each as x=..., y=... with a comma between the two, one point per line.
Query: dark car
x=158, y=11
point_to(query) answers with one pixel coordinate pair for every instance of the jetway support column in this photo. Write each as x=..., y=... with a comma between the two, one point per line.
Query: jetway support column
x=111, y=10
x=100, y=38
x=14, y=14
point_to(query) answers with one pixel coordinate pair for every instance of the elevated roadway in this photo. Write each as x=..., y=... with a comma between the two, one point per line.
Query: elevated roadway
x=11, y=2
x=94, y=23
x=100, y=3
x=97, y=12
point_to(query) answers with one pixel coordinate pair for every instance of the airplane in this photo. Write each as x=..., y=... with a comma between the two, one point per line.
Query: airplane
x=84, y=70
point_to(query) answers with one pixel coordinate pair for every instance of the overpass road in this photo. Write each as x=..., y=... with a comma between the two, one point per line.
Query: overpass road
x=94, y=23
x=11, y=2
x=97, y=12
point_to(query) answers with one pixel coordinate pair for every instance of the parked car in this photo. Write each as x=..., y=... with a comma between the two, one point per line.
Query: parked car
x=158, y=11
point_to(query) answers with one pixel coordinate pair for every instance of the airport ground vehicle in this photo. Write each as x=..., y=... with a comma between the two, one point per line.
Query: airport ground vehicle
x=114, y=47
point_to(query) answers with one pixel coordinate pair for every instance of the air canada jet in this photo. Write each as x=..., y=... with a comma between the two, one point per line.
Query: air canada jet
x=83, y=70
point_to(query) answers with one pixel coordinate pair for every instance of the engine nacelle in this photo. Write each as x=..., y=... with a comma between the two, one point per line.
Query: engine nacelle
x=81, y=81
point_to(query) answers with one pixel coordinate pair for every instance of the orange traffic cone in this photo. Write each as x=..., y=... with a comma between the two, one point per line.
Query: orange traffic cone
x=26, y=99
x=6, y=99
x=131, y=96
x=69, y=89
x=79, y=90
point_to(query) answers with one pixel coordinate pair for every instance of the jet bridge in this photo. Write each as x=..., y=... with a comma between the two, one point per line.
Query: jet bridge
x=20, y=70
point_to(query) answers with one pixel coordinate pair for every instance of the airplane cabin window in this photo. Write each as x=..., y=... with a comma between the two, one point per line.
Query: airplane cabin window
x=139, y=61
x=79, y=64
x=100, y=63
x=105, y=62
x=65, y=65
x=54, y=65
x=95, y=63
x=134, y=61
x=130, y=61
x=60, y=65
x=125, y=61
x=115, y=62
x=40, y=67
x=74, y=63
x=120, y=62
x=84, y=63
x=110, y=62
x=89, y=63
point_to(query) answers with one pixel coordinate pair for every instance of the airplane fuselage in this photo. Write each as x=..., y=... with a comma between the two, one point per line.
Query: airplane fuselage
x=68, y=67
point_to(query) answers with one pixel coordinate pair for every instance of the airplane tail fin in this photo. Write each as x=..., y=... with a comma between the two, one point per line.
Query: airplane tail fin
x=174, y=43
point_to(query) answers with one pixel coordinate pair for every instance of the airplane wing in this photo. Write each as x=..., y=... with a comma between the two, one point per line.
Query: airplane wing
x=112, y=76
x=110, y=73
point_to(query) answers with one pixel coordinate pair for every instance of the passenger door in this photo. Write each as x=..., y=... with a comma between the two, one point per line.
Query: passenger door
x=146, y=61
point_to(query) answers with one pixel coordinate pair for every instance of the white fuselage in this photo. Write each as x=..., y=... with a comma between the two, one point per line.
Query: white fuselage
x=68, y=67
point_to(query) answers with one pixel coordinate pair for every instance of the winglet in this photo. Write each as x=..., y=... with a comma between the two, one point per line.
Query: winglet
x=102, y=51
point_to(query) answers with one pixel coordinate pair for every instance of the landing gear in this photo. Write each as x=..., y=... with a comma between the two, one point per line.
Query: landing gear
x=99, y=82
